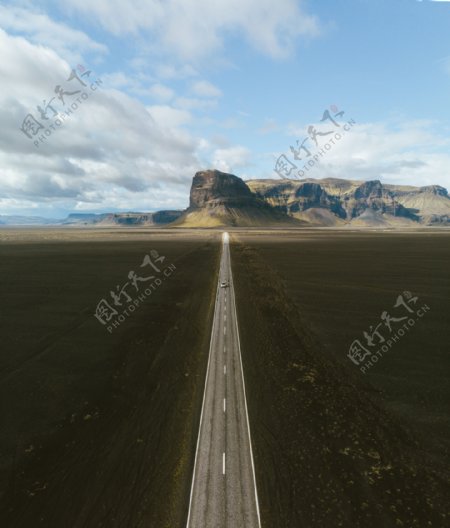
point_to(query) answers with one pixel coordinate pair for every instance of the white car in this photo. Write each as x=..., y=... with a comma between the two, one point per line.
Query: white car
x=223, y=284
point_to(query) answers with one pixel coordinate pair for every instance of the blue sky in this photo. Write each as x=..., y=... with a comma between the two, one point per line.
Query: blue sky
x=227, y=84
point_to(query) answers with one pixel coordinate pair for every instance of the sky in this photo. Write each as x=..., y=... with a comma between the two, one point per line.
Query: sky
x=113, y=105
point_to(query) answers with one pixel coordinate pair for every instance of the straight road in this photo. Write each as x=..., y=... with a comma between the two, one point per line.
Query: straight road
x=223, y=492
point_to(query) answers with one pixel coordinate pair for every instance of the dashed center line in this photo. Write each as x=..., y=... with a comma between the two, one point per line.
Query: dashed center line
x=225, y=431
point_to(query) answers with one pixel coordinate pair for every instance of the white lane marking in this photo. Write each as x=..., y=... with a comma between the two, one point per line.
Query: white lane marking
x=225, y=370
x=225, y=317
x=203, y=407
x=225, y=307
x=223, y=464
x=245, y=400
x=224, y=330
x=224, y=405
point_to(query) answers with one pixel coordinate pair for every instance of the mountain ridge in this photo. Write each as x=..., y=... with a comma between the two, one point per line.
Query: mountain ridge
x=219, y=199
x=222, y=199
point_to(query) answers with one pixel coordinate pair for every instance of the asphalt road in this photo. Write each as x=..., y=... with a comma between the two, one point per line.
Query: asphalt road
x=223, y=492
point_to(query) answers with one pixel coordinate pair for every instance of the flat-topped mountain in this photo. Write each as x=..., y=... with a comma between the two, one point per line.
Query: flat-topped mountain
x=221, y=199
x=212, y=187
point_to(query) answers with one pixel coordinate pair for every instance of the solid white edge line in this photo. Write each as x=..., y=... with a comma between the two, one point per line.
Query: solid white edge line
x=223, y=464
x=245, y=397
x=204, y=397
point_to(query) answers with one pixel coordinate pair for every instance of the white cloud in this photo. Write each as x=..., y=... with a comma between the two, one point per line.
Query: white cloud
x=167, y=116
x=140, y=85
x=193, y=103
x=409, y=153
x=170, y=72
x=111, y=152
x=136, y=84
x=40, y=29
x=230, y=159
x=193, y=29
x=205, y=89
x=162, y=92
x=26, y=69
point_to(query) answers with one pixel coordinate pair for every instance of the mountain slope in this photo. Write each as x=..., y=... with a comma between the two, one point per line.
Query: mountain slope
x=357, y=203
x=221, y=199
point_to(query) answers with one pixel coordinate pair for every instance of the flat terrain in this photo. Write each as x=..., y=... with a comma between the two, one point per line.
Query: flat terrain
x=99, y=428
x=335, y=447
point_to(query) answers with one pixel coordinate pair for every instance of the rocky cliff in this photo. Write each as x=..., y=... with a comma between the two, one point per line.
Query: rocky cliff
x=221, y=199
x=356, y=202
x=212, y=187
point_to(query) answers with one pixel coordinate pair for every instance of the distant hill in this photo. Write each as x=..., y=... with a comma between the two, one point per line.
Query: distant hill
x=159, y=218
x=123, y=219
x=14, y=220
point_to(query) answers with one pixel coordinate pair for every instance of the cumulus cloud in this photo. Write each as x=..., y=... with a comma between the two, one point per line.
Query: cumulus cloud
x=408, y=152
x=193, y=29
x=232, y=158
x=40, y=29
x=112, y=148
